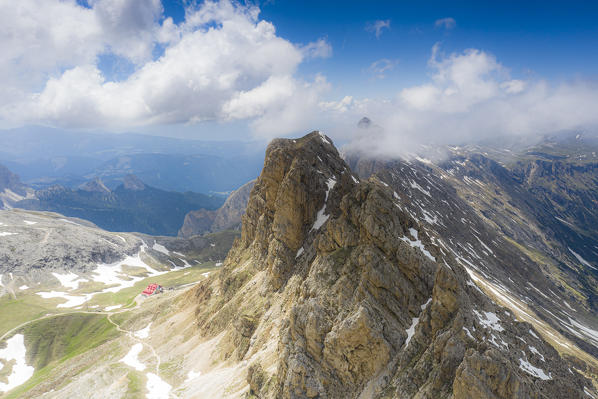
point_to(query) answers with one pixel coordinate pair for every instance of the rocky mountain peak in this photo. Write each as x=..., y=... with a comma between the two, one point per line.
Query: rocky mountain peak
x=299, y=188
x=133, y=183
x=95, y=185
x=335, y=289
x=10, y=181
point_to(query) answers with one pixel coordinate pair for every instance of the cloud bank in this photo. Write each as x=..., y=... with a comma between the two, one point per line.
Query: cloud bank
x=223, y=63
x=469, y=97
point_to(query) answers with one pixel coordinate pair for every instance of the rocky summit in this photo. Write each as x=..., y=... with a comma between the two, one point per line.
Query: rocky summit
x=336, y=289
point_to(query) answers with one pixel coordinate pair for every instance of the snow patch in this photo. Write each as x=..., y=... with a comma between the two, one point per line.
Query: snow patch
x=6, y=233
x=21, y=372
x=109, y=308
x=533, y=350
x=588, y=332
x=219, y=264
x=569, y=306
x=71, y=300
x=535, y=371
x=468, y=333
x=191, y=375
x=131, y=358
x=323, y=137
x=420, y=188
x=299, y=252
x=417, y=244
x=161, y=248
x=112, y=274
x=580, y=259
x=29, y=222
x=157, y=387
x=490, y=321
x=321, y=218
x=414, y=322
x=23, y=287
x=143, y=333
x=69, y=280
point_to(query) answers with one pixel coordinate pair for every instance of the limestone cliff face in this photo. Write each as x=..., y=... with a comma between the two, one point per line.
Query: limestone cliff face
x=335, y=290
x=228, y=216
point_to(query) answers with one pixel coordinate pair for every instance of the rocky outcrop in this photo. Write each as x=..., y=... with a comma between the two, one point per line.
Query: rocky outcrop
x=228, y=216
x=336, y=290
x=12, y=190
x=133, y=183
x=96, y=185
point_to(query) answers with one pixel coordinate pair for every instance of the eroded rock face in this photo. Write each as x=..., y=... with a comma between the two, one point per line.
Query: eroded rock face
x=360, y=298
x=228, y=216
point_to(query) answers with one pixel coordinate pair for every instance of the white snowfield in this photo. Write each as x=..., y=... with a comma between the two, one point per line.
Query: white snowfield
x=109, y=308
x=143, y=333
x=71, y=300
x=191, y=375
x=69, y=280
x=131, y=358
x=21, y=372
x=157, y=387
x=111, y=275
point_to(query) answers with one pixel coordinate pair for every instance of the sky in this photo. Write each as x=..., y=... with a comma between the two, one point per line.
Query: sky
x=423, y=72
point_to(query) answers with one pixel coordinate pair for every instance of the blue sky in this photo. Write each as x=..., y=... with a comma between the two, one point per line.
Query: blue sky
x=553, y=40
x=282, y=67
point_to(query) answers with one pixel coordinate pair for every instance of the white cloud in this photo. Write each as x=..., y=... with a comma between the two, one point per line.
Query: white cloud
x=318, y=49
x=470, y=96
x=380, y=67
x=221, y=63
x=378, y=26
x=446, y=23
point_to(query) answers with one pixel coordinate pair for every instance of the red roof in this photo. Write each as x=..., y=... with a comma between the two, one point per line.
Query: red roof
x=150, y=289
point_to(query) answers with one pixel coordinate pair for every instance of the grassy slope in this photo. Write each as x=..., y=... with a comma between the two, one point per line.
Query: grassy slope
x=30, y=306
x=53, y=341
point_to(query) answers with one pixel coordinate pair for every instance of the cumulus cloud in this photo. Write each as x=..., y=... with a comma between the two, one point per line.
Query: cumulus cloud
x=446, y=23
x=221, y=63
x=470, y=96
x=378, y=27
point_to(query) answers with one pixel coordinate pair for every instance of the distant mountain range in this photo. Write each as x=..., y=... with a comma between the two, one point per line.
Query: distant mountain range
x=131, y=206
x=43, y=157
